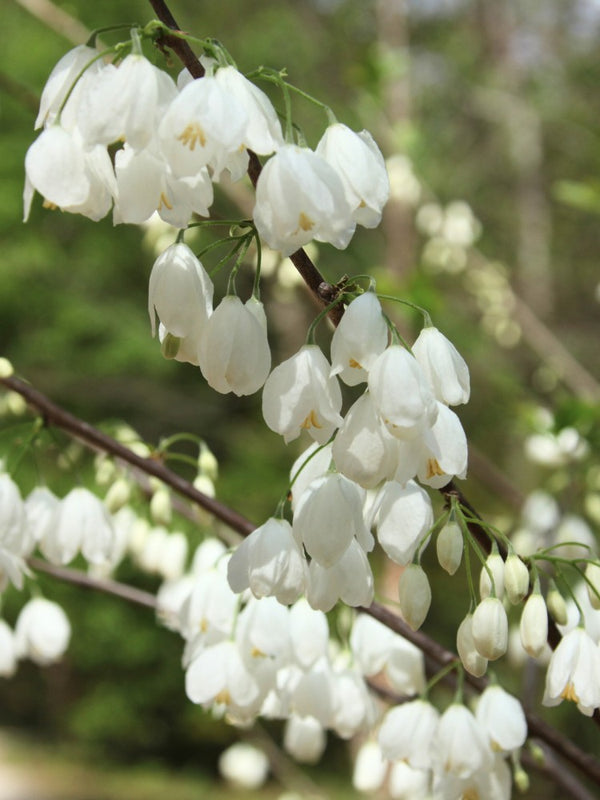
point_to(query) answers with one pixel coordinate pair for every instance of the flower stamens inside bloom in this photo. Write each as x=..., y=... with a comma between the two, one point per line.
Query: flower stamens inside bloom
x=223, y=697
x=50, y=206
x=311, y=421
x=192, y=135
x=305, y=222
x=433, y=468
x=569, y=693
x=164, y=203
x=354, y=364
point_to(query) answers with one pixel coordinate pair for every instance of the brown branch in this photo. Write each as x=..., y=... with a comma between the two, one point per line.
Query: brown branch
x=59, y=418
x=317, y=284
x=78, y=578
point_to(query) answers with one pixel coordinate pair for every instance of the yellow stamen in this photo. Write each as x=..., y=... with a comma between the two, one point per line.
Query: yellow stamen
x=311, y=421
x=192, y=135
x=569, y=693
x=223, y=697
x=433, y=468
x=49, y=205
x=203, y=625
x=257, y=653
x=470, y=794
x=164, y=202
x=305, y=222
x=354, y=364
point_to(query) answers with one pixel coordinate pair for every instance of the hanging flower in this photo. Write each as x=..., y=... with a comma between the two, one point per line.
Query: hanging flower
x=350, y=580
x=573, y=672
x=502, y=717
x=443, y=365
x=234, y=353
x=80, y=522
x=300, y=395
x=360, y=165
x=404, y=517
x=180, y=293
x=300, y=197
x=270, y=563
x=359, y=339
x=401, y=393
x=42, y=632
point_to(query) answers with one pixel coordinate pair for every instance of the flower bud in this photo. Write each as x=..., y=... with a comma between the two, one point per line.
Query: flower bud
x=207, y=463
x=472, y=661
x=117, y=496
x=160, y=506
x=6, y=368
x=449, y=546
x=414, y=595
x=495, y=565
x=516, y=578
x=592, y=576
x=490, y=628
x=556, y=605
x=521, y=779
x=534, y=625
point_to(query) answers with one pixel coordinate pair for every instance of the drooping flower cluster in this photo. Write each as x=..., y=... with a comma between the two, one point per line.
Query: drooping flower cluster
x=179, y=138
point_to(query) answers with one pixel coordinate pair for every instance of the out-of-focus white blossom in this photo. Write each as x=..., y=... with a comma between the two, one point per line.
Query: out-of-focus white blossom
x=501, y=716
x=80, y=523
x=573, y=672
x=244, y=765
x=42, y=631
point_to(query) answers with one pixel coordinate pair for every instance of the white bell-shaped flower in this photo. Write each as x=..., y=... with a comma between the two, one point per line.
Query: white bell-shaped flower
x=300, y=197
x=61, y=80
x=125, y=103
x=304, y=739
x=203, y=127
x=471, y=659
x=181, y=294
x=309, y=634
x=234, y=353
x=80, y=522
x=460, y=746
x=501, y=715
x=349, y=580
x=414, y=595
x=573, y=672
x=359, y=339
x=263, y=129
x=300, y=395
x=405, y=515
x=444, y=367
x=211, y=608
x=270, y=563
x=407, y=783
x=8, y=651
x=370, y=768
x=328, y=517
x=14, y=541
x=363, y=449
x=353, y=707
x=359, y=163
x=490, y=628
x=145, y=184
x=492, y=782
x=401, y=392
x=219, y=675
x=42, y=631
x=309, y=466
x=407, y=731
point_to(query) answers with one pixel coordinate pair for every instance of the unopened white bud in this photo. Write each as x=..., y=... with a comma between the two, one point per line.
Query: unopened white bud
x=414, y=595
x=15, y=403
x=490, y=628
x=207, y=463
x=495, y=564
x=160, y=506
x=521, y=780
x=205, y=485
x=106, y=471
x=449, y=546
x=592, y=576
x=516, y=579
x=556, y=605
x=6, y=368
x=472, y=661
x=534, y=625
x=118, y=495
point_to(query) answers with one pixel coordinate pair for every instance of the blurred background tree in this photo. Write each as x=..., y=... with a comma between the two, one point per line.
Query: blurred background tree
x=487, y=102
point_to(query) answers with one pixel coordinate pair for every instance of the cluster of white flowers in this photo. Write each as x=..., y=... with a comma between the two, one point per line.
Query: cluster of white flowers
x=425, y=754
x=246, y=657
x=179, y=138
